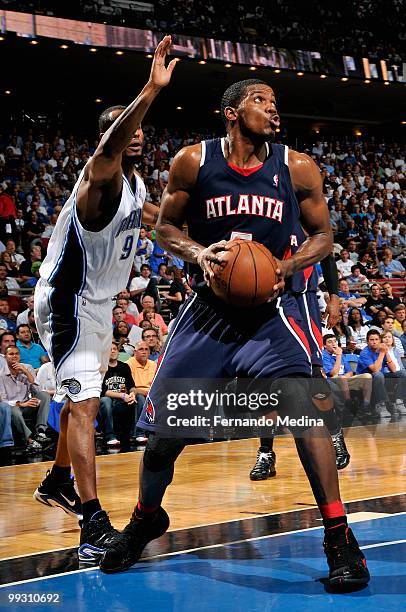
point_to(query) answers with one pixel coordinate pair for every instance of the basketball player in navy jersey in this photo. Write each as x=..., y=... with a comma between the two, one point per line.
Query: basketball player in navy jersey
x=207, y=188
x=89, y=259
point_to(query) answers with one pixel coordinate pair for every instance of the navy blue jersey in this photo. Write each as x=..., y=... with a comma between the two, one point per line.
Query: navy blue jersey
x=306, y=279
x=255, y=204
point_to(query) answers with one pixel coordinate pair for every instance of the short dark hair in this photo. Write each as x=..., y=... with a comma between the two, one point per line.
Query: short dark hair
x=106, y=120
x=7, y=333
x=373, y=332
x=235, y=93
x=145, y=266
x=22, y=325
x=355, y=267
x=328, y=337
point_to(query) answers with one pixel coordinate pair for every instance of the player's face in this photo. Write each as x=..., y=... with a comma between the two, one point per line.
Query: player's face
x=134, y=149
x=257, y=112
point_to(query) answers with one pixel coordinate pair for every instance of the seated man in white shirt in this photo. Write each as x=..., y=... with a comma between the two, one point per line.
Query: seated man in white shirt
x=22, y=318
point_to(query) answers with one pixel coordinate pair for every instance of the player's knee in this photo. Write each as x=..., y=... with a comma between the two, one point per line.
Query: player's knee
x=297, y=405
x=320, y=389
x=161, y=453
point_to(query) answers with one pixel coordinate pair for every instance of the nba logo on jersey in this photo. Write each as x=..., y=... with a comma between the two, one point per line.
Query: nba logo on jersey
x=276, y=179
x=150, y=411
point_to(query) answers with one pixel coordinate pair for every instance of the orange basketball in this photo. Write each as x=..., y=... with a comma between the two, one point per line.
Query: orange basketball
x=247, y=274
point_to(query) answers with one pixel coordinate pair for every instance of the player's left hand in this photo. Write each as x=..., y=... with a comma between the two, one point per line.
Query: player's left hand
x=333, y=311
x=161, y=74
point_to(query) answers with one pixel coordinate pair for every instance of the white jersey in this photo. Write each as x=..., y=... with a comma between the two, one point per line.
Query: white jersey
x=95, y=265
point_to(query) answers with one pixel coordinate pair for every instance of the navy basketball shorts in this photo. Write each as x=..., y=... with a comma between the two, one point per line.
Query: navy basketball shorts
x=212, y=341
x=310, y=312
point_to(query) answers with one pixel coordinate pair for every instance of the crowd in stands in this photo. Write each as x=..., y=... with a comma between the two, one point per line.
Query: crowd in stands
x=373, y=28
x=364, y=185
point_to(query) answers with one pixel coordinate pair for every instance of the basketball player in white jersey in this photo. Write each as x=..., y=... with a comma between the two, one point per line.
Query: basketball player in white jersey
x=89, y=260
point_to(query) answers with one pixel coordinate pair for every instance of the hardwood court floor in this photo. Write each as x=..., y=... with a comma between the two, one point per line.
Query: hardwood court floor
x=211, y=485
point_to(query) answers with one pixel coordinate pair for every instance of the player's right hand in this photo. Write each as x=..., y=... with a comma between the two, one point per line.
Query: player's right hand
x=161, y=74
x=208, y=256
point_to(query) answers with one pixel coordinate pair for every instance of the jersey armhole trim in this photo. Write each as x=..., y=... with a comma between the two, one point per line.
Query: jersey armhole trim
x=203, y=153
x=286, y=155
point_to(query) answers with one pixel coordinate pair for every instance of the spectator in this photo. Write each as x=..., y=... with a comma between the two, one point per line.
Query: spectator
x=344, y=264
x=11, y=266
x=400, y=316
x=391, y=301
x=117, y=400
x=403, y=336
x=6, y=434
x=395, y=357
x=150, y=336
x=25, y=268
x=144, y=249
x=356, y=278
x=123, y=303
x=389, y=267
x=23, y=316
x=139, y=283
x=7, y=339
x=148, y=306
x=376, y=301
x=387, y=326
x=176, y=294
x=373, y=359
x=5, y=321
x=124, y=339
x=131, y=307
x=358, y=329
x=31, y=353
x=19, y=391
x=13, y=287
x=16, y=258
x=337, y=365
x=143, y=371
x=348, y=299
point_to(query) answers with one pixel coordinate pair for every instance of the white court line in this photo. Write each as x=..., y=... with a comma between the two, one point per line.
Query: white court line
x=234, y=520
x=383, y=544
x=189, y=550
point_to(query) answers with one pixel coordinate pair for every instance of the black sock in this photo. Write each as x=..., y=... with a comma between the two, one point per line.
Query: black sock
x=89, y=508
x=331, y=421
x=60, y=474
x=337, y=521
x=266, y=445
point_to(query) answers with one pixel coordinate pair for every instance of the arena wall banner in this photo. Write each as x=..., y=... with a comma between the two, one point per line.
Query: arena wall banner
x=195, y=47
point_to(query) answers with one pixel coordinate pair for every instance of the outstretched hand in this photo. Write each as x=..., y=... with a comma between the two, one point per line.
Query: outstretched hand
x=161, y=74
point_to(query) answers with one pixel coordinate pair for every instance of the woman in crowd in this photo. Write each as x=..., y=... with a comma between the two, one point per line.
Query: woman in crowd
x=121, y=331
x=358, y=329
x=343, y=334
x=12, y=270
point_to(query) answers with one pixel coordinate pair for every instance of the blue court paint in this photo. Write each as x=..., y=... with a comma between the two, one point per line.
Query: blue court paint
x=273, y=573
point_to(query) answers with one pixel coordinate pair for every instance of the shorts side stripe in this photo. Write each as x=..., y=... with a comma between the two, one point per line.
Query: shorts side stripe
x=292, y=330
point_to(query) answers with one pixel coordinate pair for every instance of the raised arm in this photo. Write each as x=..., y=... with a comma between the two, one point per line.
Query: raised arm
x=102, y=178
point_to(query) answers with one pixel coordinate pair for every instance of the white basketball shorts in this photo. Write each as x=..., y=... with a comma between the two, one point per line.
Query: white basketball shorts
x=77, y=335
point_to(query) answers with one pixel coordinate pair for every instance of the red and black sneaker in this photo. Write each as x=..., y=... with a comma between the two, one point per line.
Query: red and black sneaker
x=348, y=566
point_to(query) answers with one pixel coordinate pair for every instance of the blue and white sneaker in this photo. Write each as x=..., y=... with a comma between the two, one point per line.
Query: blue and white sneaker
x=95, y=536
x=59, y=495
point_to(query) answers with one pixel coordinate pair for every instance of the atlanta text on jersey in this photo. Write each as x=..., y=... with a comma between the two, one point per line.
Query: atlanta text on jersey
x=257, y=205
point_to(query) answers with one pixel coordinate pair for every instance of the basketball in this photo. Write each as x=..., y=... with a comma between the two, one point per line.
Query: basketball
x=247, y=274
